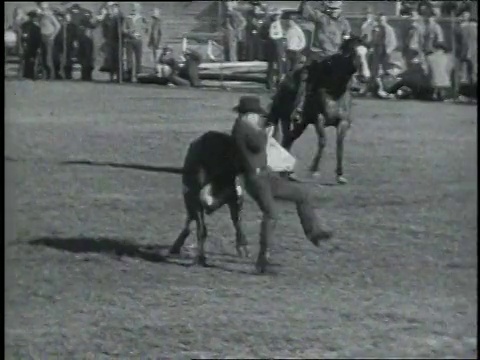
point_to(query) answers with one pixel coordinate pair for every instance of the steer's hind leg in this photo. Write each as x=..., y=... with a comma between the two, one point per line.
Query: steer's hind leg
x=201, y=238
x=191, y=206
x=235, y=206
x=342, y=130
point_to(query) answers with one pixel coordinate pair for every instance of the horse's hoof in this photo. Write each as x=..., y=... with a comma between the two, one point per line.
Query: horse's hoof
x=201, y=260
x=341, y=180
x=315, y=174
x=242, y=251
x=321, y=236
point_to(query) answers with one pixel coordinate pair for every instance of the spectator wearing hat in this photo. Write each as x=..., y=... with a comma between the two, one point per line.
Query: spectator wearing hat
x=264, y=185
x=135, y=27
x=155, y=33
x=295, y=43
x=49, y=28
x=31, y=44
x=466, y=50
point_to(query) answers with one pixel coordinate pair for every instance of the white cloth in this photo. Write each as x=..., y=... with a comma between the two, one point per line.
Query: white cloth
x=295, y=38
x=278, y=158
x=276, y=31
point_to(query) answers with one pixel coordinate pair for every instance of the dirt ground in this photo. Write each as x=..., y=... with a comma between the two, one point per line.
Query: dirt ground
x=86, y=272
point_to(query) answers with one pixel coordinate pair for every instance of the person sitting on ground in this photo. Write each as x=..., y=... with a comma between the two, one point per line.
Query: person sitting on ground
x=169, y=69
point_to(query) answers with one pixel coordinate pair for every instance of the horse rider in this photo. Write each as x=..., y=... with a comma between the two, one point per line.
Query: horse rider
x=263, y=184
x=330, y=30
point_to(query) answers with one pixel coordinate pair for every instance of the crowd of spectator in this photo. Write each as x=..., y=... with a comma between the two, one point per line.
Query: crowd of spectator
x=254, y=32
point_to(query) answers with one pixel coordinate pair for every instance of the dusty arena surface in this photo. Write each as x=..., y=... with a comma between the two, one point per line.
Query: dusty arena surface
x=86, y=269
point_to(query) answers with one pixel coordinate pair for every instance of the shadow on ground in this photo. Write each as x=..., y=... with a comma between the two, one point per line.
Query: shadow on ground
x=118, y=247
x=126, y=248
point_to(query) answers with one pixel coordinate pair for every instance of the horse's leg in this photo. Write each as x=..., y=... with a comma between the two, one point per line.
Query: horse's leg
x=322, y=141
x=235, y=206
x=342, y=130
x=290, y=135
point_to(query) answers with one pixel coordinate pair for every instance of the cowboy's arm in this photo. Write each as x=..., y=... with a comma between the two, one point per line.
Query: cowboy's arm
x=252, y=135
x=309, y=13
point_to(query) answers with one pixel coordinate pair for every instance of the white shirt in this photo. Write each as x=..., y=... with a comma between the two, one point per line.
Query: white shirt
x=276, y=31
x=295, y=38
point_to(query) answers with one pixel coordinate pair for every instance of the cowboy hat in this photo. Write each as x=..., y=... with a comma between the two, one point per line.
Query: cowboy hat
x=249, y=104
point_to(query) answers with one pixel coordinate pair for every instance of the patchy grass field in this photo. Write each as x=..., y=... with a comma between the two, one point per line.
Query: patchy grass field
x=85, y=272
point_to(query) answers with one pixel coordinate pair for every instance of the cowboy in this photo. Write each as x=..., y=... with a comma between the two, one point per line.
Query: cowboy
x=330, y=30
x=263, y=184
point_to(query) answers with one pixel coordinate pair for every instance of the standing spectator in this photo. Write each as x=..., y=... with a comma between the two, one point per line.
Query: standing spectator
x=69, y=29
x=19, y=17
x=295, y=43
x=234, y=30
x=414, y=42
x=83, y=22
x=155, y=33
x=49, y=27
x=277, y=38
x=466, y=37
x=366, y=31
x=31, y=44
x=135, y=27
x=112, y=20
x=437, y=60
x=384, y=42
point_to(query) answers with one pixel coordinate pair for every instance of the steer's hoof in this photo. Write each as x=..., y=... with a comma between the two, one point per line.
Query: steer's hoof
x=261, y=265
x=174, y=251
x=341, y=180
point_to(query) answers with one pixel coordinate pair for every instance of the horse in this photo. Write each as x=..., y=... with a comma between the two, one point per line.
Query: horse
x=328, y=94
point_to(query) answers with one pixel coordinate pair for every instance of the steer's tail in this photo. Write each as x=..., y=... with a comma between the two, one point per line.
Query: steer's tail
x=149, y=168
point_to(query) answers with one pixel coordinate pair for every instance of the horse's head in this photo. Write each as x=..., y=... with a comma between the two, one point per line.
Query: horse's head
x=355, y=48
